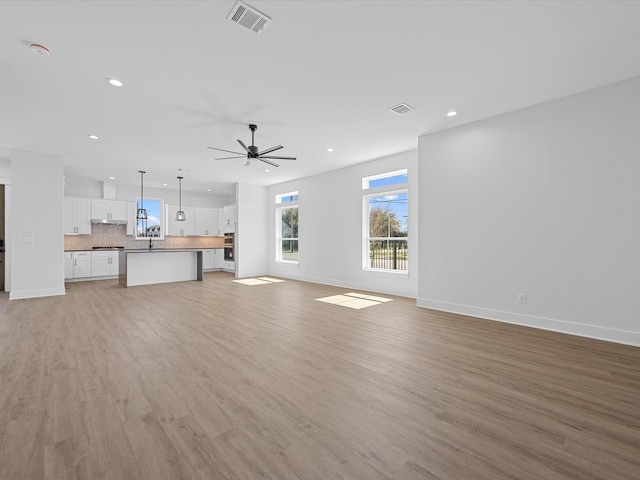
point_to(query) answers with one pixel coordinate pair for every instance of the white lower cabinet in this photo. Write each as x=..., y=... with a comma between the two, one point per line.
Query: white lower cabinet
x=90, y=264
x=104, y=264
x=218, y=261
x=77, y=265
x=68, y=265
x=208, y=259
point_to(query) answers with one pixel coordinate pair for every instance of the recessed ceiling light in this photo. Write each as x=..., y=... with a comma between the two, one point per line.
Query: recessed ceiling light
x=40, y=50
x=115, y=82
x=267, y=170
x=112, y=178
x=208, y=189
x=329, y=149
x=93, y=137
x=165, y=184
x=452, y=113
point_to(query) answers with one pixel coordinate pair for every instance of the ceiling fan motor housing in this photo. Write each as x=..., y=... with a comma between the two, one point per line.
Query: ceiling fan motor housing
x=253, y=150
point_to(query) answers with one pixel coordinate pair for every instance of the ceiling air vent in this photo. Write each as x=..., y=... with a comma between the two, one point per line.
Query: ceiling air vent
x=249, y=17
x=401, y=109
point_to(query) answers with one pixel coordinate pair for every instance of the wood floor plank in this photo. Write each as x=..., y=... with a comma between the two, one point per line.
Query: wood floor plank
x=218, y=380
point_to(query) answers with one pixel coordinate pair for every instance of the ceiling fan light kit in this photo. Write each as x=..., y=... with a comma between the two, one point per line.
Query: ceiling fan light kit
x=253, y=152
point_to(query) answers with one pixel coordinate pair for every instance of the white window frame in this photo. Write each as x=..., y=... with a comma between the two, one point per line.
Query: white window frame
x=162, y=225
x=281, y=206
x=368, y=193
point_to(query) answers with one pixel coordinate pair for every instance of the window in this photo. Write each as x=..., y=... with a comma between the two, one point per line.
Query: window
x=384, y=179
x=287, y=227
x=152, y=226
x=385, y=218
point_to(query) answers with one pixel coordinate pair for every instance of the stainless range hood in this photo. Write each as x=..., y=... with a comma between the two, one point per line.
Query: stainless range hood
x=107, y=221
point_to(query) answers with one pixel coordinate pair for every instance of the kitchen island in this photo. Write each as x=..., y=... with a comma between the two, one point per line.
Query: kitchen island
x=159, y=265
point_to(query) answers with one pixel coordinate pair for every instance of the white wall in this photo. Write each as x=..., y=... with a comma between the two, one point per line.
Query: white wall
x=251, y=230
x=543, y=201
x=84, y=187
x=5, y=167
x=330, y=229
x=37, y=204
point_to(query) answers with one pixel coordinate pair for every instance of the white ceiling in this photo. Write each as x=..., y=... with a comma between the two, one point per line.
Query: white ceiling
x=323, y=74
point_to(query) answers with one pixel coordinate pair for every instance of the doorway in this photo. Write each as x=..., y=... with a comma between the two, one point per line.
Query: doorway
x=2, y=243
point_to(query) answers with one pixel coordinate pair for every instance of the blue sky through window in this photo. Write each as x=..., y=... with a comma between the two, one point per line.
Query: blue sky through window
x=395, y=202
x=383, y=182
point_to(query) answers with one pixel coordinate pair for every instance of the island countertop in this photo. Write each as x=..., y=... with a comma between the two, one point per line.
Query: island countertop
x=152, y=250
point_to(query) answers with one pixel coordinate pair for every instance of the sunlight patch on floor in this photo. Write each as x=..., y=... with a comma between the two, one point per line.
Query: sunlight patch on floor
x=354, y=300
x=257, y=281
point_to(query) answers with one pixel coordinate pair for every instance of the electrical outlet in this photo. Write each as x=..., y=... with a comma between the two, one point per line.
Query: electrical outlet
x=522, y=298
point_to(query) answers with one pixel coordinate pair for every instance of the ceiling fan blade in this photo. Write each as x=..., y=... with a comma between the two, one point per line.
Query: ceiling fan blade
x=228, y=151
x=248, y=162
x=272, y=149
x=268, y=161
x=227, y=158
x=277, y=158
x=243, y=145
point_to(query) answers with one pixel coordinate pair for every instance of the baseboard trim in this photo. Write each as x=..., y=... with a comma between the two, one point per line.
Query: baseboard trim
x=562, y=326
x=339, y=284
x=43, y=292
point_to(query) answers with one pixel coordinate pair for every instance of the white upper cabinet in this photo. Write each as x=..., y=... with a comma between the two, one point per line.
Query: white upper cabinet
x=227, y=223
x=77, y=216
x=111, y=210
x=206, y=221
x=177, y=228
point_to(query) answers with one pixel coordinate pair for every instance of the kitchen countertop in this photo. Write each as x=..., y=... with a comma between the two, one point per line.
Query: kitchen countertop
x=192, y=249
x=152, y=250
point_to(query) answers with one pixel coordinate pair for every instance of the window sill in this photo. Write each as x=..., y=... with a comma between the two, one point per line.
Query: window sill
x=380, y=270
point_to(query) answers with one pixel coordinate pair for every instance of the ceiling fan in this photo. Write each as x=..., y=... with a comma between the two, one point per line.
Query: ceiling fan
x=253, y=153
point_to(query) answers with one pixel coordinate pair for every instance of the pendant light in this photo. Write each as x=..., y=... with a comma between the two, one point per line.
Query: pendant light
x=180, y=216
x=141, y=213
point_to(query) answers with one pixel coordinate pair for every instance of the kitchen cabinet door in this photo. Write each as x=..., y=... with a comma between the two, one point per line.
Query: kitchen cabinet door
x=100, y=209
x=112, y=210
x=185, y=228
x=100, y=264
x=227, y=223
x=205, y=221
x=81, y=264
x=208, y=259
x=104, y=264
x=118, y=210
x=218, y=261
x=68, y=265
x=83, y=216
x=77, y=216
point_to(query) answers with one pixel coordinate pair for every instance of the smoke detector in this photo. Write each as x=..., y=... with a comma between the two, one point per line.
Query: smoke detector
x=401, y=109
x=40, y=50
x=248, y=17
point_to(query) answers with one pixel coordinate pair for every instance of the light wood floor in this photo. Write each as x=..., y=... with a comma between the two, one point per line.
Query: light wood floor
x=216, y=380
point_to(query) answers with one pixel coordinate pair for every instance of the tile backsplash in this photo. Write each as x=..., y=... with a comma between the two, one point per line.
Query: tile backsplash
x=115, y=236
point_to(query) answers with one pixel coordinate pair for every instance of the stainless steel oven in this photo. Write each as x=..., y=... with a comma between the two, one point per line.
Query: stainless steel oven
x=228, y=247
